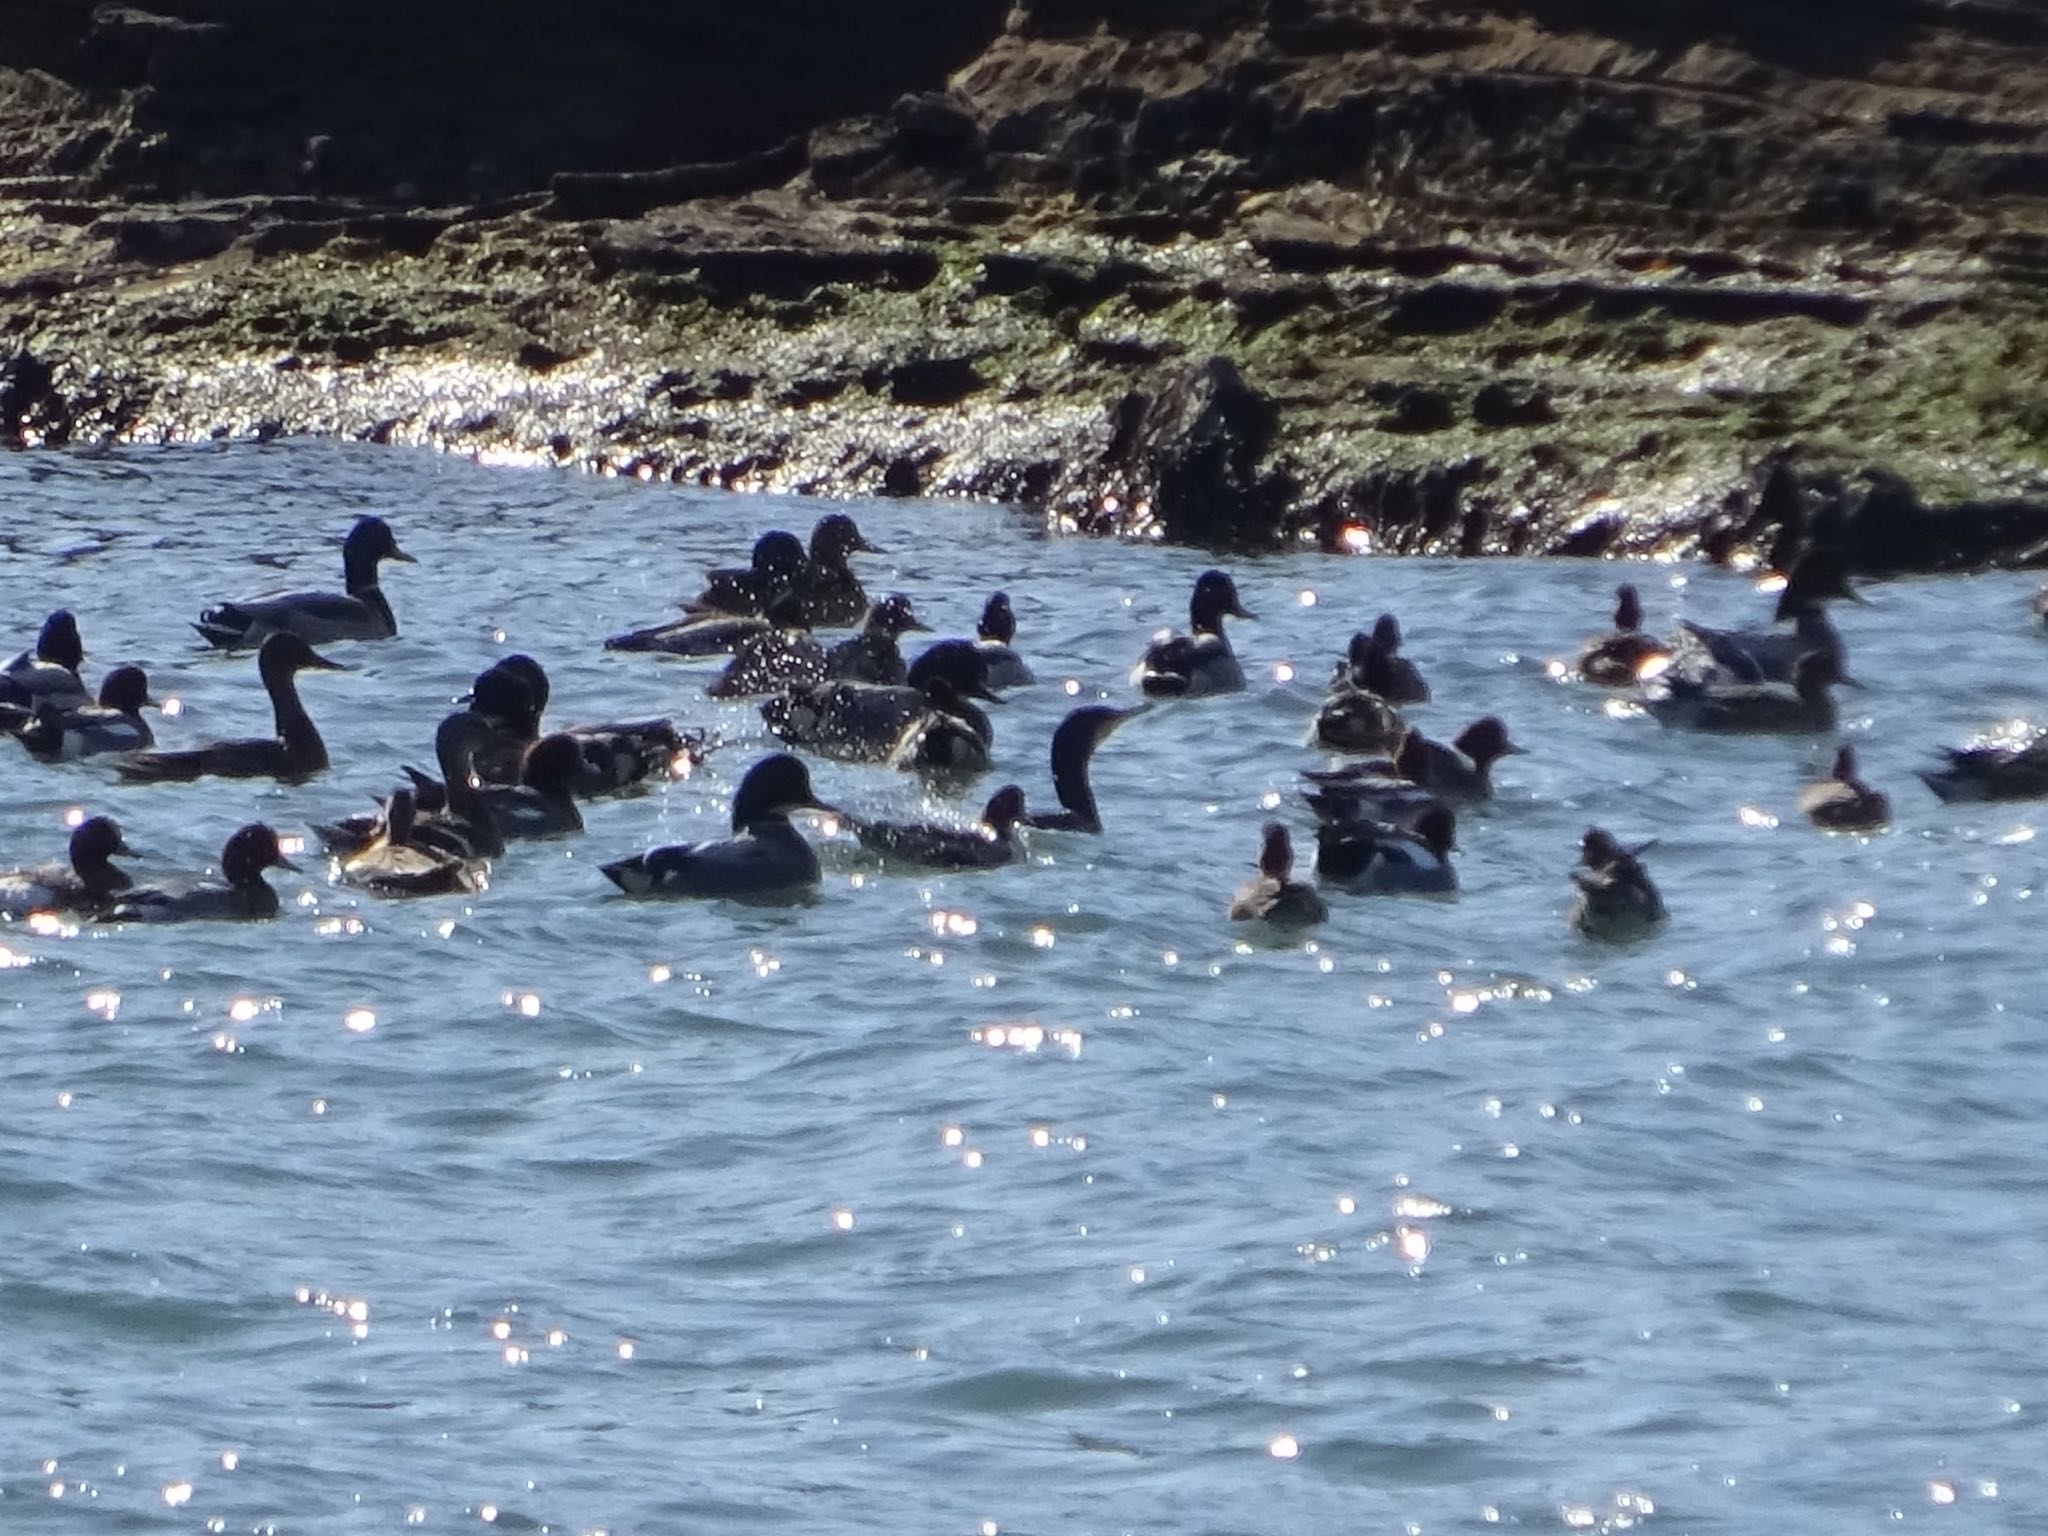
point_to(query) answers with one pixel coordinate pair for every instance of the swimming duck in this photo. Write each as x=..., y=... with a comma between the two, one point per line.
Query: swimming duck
x=318, y=618
x=1459, y=770
x=541, y=804
x=765, y=859
x=89, y=881
x=778, y=658
x=1411, y=857
x=1800, y=707
x=1991, y=773
x=1767, y=655
x=827, y=594
x=392, y=863
x=762, y=587
x=1613, y=660
x=1842, y=802
x=49, y=673
x=1201, y=661
x=927, y=721
x=1615, y=899
x=510, y=696
x=990, y=842
x=1403, y=679
x=2041, y=607
x=246, y=896
x=700, y=634
x=466, y=821
x=1358, y=716
x=995, y=634
x=114, y=724
x=1073, y=749
x=296, y=752
x=1275, y=896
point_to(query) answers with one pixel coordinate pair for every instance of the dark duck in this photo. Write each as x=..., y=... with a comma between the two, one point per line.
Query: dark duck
x=765, y=859
x=293, y=753
x=361, y=612
x=1274, y=895
x=88, y=882
x=1200, y=661
x=56, y=734
x=241, y=895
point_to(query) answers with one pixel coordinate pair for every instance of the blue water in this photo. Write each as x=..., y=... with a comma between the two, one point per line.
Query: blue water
x=1029, y=1201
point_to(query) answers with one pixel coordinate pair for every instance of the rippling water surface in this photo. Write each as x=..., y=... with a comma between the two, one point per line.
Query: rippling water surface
x=554, y=1210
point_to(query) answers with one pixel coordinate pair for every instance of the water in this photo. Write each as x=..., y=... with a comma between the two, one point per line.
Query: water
x=651, y=1218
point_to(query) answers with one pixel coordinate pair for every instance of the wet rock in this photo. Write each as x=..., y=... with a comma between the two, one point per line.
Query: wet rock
x=1188, y=462
x=27, y=388
x=1496, y=406
x=934, y=381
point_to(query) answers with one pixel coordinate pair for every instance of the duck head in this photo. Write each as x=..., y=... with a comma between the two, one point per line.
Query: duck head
x=1485, y=740
x=370, y=541
x=1818, y=671
x=1628, y=609
x=1276, y=851
x=1215, y=599
x=774, y=787
x=59, y=641
x=1845, y=764
x=1818, y=576
x=835, y=537
x=126, y=689
x=1004, y=810
x=956, y=662
x=96, y=840
x=778, y=556
x=894, y=616
x=285, y=654
x=1436, y=827
x=249, y=852
x=1386, y=634
x=998, y=622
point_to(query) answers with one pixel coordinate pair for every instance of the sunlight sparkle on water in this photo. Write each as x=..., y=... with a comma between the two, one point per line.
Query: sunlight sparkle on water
x=1283, y=1447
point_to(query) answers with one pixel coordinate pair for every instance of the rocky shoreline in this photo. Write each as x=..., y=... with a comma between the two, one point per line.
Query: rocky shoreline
x=1537, y=277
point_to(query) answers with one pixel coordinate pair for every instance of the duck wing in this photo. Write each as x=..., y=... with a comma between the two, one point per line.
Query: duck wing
x=710, y=635
x=934, y=845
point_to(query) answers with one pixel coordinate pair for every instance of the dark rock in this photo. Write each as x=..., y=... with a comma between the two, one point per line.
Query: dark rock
x=628, y=194
x=1418, y=409
x=1191, y=457
x=27, y=386
x=934, y=381
x=1497, y=406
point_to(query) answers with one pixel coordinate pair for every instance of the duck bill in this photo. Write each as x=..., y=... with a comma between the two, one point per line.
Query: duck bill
x=1239, y=611
x=318, y=663
x=862, y=547
x=281, y=862
x=395, y=553
x=1844, y=680
x=824, y=809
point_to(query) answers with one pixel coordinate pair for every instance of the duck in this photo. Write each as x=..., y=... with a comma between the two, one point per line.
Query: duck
x=541, y=804
x=510, y=695
x=294, y=753
x=1842, y=802
x=1461, y=769
x=1274, y=895
x=828, y=595
x=49, y=673
x=778, y=658
x=1615, y=659
x=990, y=843
x=2041, y=607
x=1991, y=773
x=360, y=612
x=244, y=896
x=114, y=724
x=1767, y=655
x=927, y=721
x=709, y=633
x=1201, y=661
x=391, y=863
x=1803, y=706
x=88, y=882
x=1409, y=857
x=1614, y=898
x=995, y=635
x=1073, y=749
x=1403, y=679
x=765, y=859
x=1386, y=790
x=760, y=588
x=465, y=823
x=1357, y=715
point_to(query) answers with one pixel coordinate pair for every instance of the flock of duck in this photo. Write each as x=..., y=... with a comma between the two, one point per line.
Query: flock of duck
x=1384, y=821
